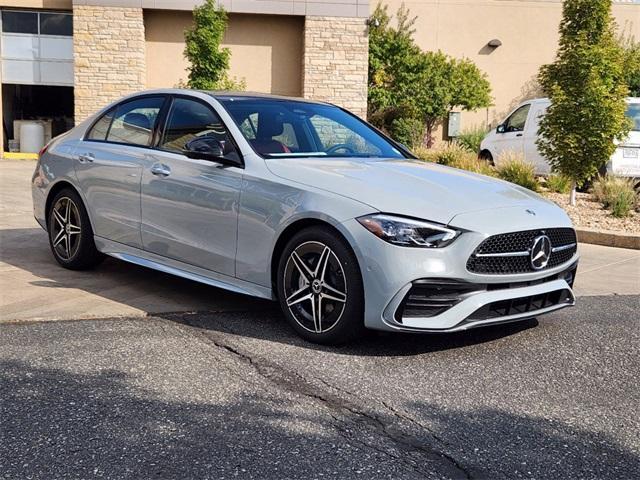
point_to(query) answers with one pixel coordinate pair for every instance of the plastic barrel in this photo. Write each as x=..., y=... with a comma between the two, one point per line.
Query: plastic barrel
x=31, y=137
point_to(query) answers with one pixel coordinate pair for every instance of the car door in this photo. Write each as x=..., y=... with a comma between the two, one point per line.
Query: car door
x=510, y=134
x=531, y=153
x=190, y=206
x=109, y=164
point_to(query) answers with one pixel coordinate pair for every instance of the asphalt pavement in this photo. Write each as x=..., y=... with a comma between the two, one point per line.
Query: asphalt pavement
x=99, y=379
x=238, y=395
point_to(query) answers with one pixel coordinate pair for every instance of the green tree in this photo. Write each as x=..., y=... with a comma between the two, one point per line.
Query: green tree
x=587, y=88
x=438, y=84
x=392, y=50
x=208, y=62
x=631, y=68
x=411, y=91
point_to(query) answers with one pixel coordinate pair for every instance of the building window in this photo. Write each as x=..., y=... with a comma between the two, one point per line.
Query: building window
x=56, y=24
x=37, y=23
x=19, y=22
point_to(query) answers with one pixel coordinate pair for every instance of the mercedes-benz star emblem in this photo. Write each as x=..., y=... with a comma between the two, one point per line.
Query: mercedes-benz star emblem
x=540, y=252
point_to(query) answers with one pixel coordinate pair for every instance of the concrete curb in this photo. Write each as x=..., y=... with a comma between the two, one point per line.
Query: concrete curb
x=18, y=156
x=608, y=238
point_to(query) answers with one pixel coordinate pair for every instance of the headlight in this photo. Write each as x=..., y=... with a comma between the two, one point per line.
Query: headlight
x=408, y=232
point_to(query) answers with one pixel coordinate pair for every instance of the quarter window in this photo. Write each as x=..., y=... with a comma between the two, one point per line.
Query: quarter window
x=189, y=120
x=517, y=120
x=101, y=127
x=134, y=121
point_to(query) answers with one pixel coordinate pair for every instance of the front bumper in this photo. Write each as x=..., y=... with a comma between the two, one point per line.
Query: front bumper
x=390, y=272
x=477, y=304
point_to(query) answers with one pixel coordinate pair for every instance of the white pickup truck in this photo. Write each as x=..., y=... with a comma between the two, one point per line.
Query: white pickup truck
x=519, y=133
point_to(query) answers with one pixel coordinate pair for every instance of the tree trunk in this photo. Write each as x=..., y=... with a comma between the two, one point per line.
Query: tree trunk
x=572, y=198
x=428, y=134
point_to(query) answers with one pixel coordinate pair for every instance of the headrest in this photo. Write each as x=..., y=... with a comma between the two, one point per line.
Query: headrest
x=269, y=125
x=137, y=120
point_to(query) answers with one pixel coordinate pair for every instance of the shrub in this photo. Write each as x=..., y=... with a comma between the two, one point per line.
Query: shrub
x=558, y=183
x=424, y=153
x=453, y=155
x=408, y=131
x=513, y=168
x=472, y=163
x=623, y=203
x=470, y=139
x=444, y=155
x=616, y=194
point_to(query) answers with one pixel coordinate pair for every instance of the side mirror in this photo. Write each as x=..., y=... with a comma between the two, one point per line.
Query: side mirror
x=208, y=148
x=500, y=129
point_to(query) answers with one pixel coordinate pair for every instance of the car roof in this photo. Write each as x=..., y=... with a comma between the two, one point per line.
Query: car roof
x=228, y=95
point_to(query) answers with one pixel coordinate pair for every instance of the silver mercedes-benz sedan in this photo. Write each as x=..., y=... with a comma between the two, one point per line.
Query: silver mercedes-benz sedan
x=302, y=202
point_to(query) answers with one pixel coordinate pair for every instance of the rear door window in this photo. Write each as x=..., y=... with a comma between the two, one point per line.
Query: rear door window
x=134, y=121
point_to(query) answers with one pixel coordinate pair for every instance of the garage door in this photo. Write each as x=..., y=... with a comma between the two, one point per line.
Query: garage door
x=37, y=48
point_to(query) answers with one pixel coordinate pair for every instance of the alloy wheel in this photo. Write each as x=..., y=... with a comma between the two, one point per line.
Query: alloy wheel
x=65, y=228
x=315, y=287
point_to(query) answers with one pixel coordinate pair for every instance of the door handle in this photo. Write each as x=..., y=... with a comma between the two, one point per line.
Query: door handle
x=519, y=135
x=161, y=170
x=86, y=157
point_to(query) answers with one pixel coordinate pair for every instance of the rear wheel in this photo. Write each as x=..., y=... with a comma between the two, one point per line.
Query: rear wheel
x=70, y=233
x=320, y=287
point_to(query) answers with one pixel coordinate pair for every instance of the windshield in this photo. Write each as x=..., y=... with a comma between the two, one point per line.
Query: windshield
x=633, y=112
x=288, y=129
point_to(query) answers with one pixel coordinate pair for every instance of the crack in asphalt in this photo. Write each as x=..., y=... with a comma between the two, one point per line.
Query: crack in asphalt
x=408, y=445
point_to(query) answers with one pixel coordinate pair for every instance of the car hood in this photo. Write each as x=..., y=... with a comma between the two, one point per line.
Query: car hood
x=406, y=187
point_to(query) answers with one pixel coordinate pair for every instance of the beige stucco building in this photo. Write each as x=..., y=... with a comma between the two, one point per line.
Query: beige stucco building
x=64, y=59
x=526, y=29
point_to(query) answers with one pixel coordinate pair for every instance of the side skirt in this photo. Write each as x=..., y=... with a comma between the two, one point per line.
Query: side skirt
x=180, y=269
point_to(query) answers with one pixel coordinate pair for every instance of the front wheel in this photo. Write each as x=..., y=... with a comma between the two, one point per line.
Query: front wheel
x=485, y=156
x=320, y=287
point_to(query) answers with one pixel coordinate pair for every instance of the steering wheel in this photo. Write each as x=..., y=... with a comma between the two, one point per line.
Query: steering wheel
x=340, y=146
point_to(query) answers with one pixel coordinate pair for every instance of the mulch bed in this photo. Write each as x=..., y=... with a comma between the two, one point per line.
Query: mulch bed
x=588, y=213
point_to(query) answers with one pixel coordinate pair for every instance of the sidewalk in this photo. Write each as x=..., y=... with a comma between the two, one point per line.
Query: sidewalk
x=33, y=286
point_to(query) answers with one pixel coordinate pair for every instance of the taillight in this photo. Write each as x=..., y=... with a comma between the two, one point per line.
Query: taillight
x=43, y=150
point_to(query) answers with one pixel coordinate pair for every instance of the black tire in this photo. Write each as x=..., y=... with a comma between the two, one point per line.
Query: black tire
x=486, y=156
x=338, y=321
x=70, y=232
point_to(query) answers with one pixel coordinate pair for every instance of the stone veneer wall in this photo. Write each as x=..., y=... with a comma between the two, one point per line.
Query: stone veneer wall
x=109, y=51
x=335, y=64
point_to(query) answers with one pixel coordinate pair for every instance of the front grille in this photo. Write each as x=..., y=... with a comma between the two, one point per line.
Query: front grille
x=514, y=306
x=520, y=242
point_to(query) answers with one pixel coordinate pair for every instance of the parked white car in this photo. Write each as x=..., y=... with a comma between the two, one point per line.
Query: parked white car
x=519, y=132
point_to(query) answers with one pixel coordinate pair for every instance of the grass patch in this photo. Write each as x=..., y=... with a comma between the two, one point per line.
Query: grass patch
x=513, y=168
x=616, y=194
x=454, y=155
x=470, y=139
x=558, y=183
